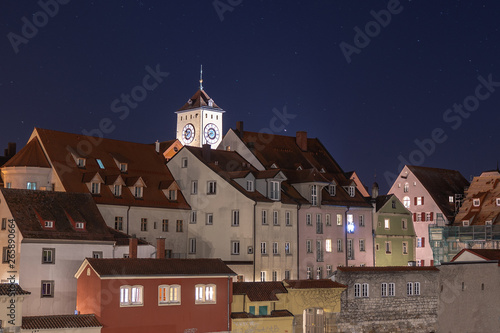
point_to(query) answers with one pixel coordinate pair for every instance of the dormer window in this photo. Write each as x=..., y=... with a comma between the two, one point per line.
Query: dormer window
x=80, y=225
x=332, y=189
x=274, y=190
x=322, y=170
x=352, y=191
x=211, y=102
x=450, y=198
x=31, y=185
x=489, y=222
x=250, y=187
x=465, y=223
x=498, y=201
x=476, y=202
x=117, y=190
x=48, y=224
x=274, y=166
x=138, y=191
x=80, y=162
x=99, y=162
x=299, y=168
x=172, y=195
x=314, y=195
x=123, y=167
x=95, y=188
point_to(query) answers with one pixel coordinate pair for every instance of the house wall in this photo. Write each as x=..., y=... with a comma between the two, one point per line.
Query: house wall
x=273, y=324
x=19, y=176
x=12, y=310
x=473, y=307
x=69, y=330
x=68, y=258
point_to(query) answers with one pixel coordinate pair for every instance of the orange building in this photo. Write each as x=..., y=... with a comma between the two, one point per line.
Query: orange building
x=156, y=295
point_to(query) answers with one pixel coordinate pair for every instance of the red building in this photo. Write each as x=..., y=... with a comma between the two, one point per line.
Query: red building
x=156, y=295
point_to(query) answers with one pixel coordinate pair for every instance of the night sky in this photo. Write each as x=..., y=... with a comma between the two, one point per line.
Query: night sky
x=366, y=89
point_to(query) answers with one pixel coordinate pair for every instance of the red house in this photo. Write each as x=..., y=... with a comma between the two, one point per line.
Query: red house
x=156, y=295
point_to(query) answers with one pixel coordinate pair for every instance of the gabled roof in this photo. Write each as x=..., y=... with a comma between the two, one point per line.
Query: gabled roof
x=441, y=184
x=123, y=239
x=259, y=291
x=143, y=163
x=486, y=188
x=388, y=269
x=381, y=200
x=199, y=99
x=29, y=208
x=31, y=155
x=313, y=284
x=124, y=267
x=482, y=254
x=7, y=289
x=60, y=322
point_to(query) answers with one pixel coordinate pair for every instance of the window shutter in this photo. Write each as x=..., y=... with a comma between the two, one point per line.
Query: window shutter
x=422, y=200
x=422, y=216
x=432, y=216
x=423, y=244
x=422, y=262
x=432, y=262
x=414, y=217
x=415, y=200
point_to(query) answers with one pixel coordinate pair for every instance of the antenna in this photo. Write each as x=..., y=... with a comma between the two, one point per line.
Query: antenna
x=201, y=77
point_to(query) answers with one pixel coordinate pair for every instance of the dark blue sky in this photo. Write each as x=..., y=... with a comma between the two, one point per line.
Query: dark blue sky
x=263, y=55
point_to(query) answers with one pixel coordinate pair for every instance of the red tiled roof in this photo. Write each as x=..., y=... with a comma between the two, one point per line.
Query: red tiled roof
x=122, y=238
x=159, y=267
x=388, y=269
x=59, y=321
x=313, y=284
x=259, y=291
x=31, y=155
x=7, y=288
x=486, y=254
x=274, y=313
x=29, y=208
x=144, y=163
x=199, y=99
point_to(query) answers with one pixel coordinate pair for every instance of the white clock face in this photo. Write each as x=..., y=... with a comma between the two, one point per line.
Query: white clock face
x=188, y=133
x=211, y=133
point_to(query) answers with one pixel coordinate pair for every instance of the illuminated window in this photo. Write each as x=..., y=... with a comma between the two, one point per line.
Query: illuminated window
x=406, y=202
x=31, y=185
x=387, y=224
x=131, y=295
x=328, y=245
x=339, y=219
x=169, y=294
x=350, y=223
x=205, y=294
x=406, y=188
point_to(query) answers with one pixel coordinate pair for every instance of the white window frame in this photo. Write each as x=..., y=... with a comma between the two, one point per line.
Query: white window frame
x=194, y=217
x=276, y=218
x=250, y=187
x=309, y=246
x=357, y=290
x=340, y=247
x=384, y=290
x=263, y=248
x=328, y=245
x=192, y=245
x=210, y=219
x=407, y=202
x=274, y=190
x=365, y=290
x=264, y=217
x=275, y=248
x=309, y=219
x=314, y=195
x=235, y=218
x=205, y=294
x=476, y=202
x=235, y=247
x=409, y=289
x=287, y=248
x=416, y=288
x=131, y=295
x=361, y=220
x=138, y=192
x=339, y=219
x=211, y=187
x=263, y=276
x=194, y=187
x=392, y=289
x=95, y=188
x=169, y=294
x=328, y=220
x=288, y=218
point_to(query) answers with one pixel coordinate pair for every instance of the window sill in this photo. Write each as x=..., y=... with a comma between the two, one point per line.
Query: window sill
x=169, y=304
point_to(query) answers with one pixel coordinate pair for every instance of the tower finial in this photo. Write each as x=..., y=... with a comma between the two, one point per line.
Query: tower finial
x=201, y=77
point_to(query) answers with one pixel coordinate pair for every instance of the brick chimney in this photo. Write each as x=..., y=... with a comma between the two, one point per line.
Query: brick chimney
x=12, y=149
x=160, y=248
x=239, y=128
x=206, y=150
x=132, y=247
x=301, y=140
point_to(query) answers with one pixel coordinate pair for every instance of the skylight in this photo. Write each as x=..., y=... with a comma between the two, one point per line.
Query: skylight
x=100, y=163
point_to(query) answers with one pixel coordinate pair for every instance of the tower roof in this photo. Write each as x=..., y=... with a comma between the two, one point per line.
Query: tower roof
x=200, y=100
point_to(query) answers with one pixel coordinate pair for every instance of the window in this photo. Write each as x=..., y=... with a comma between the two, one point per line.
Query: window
x=251, y=309
x=275, y=218
x=178, y=227
x=406, y=188
x=328, y=270
x=210, y=218
x=309, y=246
x=287, y=275
x=235, y=218
x=328, y=245
x=319, y=251
x=352, y=191
x=80, y=162
x=123, y=167
x=194, y=217
x=405, y=247
x=5, y=255
x=144, y=224
x=319, y=224
x=361, y=220
x=263, y=276
x=328, y=220
x=332, y=189
x=194, y=187
x=97, y=254
x=131, y=295
x=118, y=222
x=184, y=162
x=138, y=191
x=383, y=289
x=95, y=188
x=350, y=223
x=416, y=288
x=350, y=249
x=99, y=162
x=465, y=223
x=308, y=219
x=274, y=192
x=498, y=201
x=339, y=245
x=419, y=201
x=250, y=186
x=419, y=217
x=172, y=195
x=391, y=289
x=362, y=245
x=31, y=185
x=319, y=273
x=9, y=185
x=263, y=310
x=393, y=204
x=212, y=187
x=192, y=245
x=388, y=247
x=275, y=276
x=288, y=220
x=4, y=223
x=420, y=241
x=308, y=273
x=235, y=247
x=164, y=225
x=365, y=292
x=264, y=216
x=275, y=248
x=406, y=202
x=404, y=224
x=476, y=202
x=409, y=288
x=339, y=219
x=314, y=195
x=263, y=248
x=387, y=224
x=49, y=224
x=47, y=288
x=169, y=294
x=287, y=248
x=117, y=190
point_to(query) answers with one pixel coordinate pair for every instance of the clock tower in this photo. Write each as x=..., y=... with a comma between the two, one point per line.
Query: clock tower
x=199, y=121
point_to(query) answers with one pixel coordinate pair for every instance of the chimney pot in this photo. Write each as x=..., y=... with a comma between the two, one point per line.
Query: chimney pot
x=239, y=128
x=301, y=140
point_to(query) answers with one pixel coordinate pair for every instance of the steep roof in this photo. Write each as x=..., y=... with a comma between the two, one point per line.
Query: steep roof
x=259, y=291
x=313, y=284
x=123, y=239
x=200, y=99
x=59, y=322
x=441, y=184
x=486, y=188
x=124, y=267
x=143, y=162
x=381, y=200
x=31, y=155
x=31, y=208
x=485, y=254
x=7, y=289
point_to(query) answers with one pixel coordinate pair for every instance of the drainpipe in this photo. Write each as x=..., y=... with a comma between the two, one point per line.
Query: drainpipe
x=254, y=240
x=228, y=306
x=298, y=246
x=128, y=210
x=345, y=238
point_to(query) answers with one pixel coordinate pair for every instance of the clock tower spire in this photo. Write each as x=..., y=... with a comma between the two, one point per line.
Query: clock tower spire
x=199, y=121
